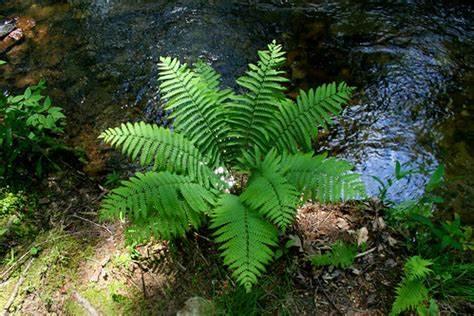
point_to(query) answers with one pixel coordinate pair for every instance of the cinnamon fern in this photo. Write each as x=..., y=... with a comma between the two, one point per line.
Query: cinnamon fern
x=218, y=135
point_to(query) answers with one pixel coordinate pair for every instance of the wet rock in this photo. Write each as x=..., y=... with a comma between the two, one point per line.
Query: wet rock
x=11, y=40
x=6, y=28
x=17, y=53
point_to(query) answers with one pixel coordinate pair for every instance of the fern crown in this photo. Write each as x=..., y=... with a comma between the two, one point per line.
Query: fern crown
x=260, y=135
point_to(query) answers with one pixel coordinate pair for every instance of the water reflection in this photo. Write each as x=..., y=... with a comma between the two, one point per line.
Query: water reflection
x=409, y=60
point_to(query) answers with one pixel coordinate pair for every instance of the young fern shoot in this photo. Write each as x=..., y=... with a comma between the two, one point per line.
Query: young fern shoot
x=260, y=134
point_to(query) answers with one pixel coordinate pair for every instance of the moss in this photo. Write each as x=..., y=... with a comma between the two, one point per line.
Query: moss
x=55, y=266
x=113, y=298
x=122, y=260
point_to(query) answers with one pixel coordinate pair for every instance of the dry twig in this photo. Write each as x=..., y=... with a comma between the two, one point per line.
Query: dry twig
x=92, y=222
x=16, y=289
x=85, y=304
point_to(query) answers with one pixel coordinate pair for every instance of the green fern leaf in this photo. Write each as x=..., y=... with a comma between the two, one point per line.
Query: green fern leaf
x=342, y=256
x=249, y=114
x=166, y=150
x=268, y=191
x=294, y=125
x=417, y=268
x=323, y=179
x=410, y=294
x=196, y=110
x=166, y=202
x=246, y=239
x=207, y=75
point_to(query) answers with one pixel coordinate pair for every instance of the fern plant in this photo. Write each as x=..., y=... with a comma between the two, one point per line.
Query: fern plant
x=342, y=255
x=259, y=136
x=412, y=293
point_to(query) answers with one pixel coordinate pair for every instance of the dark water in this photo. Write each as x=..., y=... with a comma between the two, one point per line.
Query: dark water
x=412, y=62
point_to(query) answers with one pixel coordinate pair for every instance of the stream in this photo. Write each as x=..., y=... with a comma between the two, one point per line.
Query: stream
x=411, y=61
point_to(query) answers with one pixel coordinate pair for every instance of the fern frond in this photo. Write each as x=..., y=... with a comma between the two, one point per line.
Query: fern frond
x=417, y=268
x=211, y=81
x=196, y=109
x=166, y=202
x=246, y=239
x=323, y=179
x=249, y=114
x=268, y=191
x=162, y=148
x=210, y=77
x=341, y=256
x=410, y=295
x=294, y=125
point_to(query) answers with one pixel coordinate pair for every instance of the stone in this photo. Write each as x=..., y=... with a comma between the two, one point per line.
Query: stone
x=196, y=306
x=6, y=28
x=17, y=53
x=11, y=40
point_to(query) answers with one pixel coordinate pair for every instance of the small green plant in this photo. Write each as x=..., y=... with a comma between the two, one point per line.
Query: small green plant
x=243, y=160
x=446, y=246
x=112, y=179
x=28, y=127
x=15, y=221
x=342, y=255
x=406, y=213
x=412, y=293
x=399, y=174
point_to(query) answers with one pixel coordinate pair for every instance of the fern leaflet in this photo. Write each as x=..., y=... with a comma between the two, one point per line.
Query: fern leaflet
x=246, y=239
x=417, y=268
x=196, y=109
x=323, y=179
x=294, y=124
x=411, y=292
x=171, y=200
x=341, y=255
x=410, y=295
x=268, y=191
x=249, y=114
x=166, y=150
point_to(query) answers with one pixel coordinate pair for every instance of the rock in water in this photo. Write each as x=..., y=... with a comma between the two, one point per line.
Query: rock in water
x=6, y=27
x=10, y=40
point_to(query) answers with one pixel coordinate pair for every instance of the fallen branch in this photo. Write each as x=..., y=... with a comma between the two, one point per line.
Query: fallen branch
x=366, y=252
x=92, y=222
x=16, y=289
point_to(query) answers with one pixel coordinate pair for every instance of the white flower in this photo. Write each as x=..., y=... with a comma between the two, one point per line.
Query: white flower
x=219, y=170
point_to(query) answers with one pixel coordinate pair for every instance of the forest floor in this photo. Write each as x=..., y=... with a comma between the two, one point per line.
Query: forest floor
x=81, y=266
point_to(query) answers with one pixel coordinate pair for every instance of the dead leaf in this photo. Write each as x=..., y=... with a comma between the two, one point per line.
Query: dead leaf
x=392, y=241
x=362, y=236
x=296, y=242
x=379, y=224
